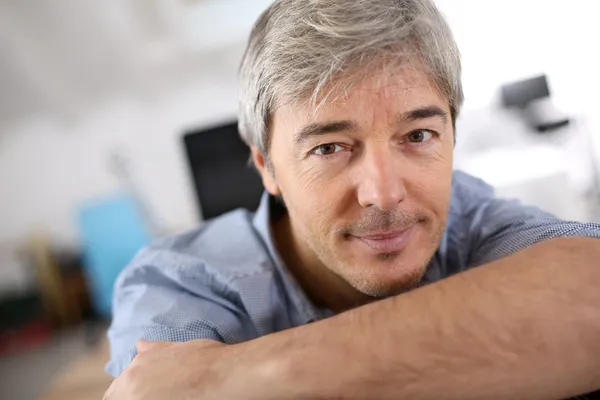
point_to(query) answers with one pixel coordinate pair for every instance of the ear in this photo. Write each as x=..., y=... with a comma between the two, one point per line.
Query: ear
x=266, y=171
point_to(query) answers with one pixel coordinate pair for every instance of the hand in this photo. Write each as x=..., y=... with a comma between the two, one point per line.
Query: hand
x=199, y=369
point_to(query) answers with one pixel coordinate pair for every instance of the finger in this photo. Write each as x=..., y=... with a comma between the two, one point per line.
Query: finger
x=146, y=345
x=108, y=391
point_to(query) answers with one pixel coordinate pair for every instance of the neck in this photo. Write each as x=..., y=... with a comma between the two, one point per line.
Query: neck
x=323, y=287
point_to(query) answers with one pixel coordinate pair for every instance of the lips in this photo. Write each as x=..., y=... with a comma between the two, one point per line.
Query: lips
x=386, y=241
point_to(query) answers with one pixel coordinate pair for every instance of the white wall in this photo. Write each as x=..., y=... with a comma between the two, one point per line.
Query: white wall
x=506, y=40
x=50, y=164
x=48, y=167
x=81, y=82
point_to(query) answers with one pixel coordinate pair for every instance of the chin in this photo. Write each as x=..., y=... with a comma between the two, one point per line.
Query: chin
x=388, y=283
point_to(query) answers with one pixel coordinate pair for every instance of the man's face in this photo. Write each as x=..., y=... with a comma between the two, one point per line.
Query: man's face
x=366, y=179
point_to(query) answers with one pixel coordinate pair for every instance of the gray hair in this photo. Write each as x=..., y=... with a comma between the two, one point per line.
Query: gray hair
x=297, y=47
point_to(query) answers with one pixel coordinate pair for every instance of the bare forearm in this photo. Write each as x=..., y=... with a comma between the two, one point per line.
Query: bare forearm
x=527, y=326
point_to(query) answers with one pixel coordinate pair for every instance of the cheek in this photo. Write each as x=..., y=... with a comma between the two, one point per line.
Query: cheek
x=430, y=191
x=436, y=163
x=310, y=179
x=431, y=183
x=315, y=196
x=439, y=156
x=314, y=182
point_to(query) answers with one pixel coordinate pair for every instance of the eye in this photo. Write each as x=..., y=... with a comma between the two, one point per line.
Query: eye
x=327, y=149
x=419, y=136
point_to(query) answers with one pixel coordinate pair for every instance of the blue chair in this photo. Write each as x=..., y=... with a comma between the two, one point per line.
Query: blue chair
x=112, y=231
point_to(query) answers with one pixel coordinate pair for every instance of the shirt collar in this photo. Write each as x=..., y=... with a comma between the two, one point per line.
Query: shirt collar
x=268, y=210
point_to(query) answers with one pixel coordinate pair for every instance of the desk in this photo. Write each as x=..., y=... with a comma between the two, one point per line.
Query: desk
x=83, y=379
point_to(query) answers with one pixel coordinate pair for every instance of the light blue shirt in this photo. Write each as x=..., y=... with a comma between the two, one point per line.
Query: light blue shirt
x=225, y=281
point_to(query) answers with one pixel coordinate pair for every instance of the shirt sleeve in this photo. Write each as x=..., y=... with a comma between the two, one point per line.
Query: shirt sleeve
x=501, y=227
x=168, y=296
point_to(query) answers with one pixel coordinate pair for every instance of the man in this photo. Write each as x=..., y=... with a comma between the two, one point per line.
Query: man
x=334, y=288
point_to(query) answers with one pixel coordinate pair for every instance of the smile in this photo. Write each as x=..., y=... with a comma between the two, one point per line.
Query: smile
x=386, y=241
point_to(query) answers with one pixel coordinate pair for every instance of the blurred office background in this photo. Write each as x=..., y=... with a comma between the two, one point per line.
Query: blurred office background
x=95, y=101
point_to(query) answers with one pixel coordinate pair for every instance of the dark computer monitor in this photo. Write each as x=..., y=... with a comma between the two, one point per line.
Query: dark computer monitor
x=520, y=94
x=219, y=164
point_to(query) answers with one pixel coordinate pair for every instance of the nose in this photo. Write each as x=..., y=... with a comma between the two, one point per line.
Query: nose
x=381, y=184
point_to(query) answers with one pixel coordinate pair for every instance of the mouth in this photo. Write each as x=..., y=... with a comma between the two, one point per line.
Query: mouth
x=386, y=241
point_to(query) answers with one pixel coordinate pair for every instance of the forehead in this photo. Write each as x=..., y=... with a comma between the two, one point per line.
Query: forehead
x=383, y=91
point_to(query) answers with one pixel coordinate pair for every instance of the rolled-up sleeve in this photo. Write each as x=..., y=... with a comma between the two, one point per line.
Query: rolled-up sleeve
x=168, y=296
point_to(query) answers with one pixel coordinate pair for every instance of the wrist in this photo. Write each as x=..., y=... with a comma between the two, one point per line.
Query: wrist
x=270, y=364
x=294, y=366
x=302, y=363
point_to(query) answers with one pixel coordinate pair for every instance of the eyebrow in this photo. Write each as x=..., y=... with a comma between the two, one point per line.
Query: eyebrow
x=318, y=129
x=424, y=113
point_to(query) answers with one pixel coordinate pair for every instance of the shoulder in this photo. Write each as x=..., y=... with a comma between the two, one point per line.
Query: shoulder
x=477, y=212
x=220, y=251
x=474, y=203
x=485, y=228
x=474, y=200
x=468, y=190
x=470, y=196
